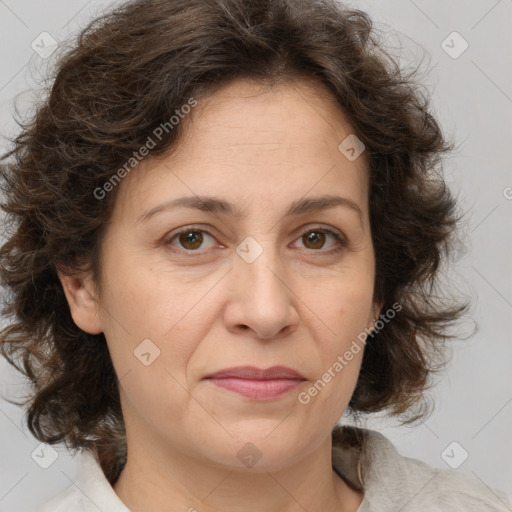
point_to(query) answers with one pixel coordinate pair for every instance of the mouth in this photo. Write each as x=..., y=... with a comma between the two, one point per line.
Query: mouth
x=256, y=383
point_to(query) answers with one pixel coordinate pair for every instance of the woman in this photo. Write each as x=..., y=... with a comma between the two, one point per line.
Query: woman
x=226, y=226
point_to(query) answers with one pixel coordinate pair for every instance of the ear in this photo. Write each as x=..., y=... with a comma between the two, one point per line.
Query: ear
x=83, y=303
x=375, y=313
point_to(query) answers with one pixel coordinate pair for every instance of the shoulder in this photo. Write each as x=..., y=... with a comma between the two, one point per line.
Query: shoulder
x=69, y=499
x=445, y=489
x=91, y=491
x=393, y=482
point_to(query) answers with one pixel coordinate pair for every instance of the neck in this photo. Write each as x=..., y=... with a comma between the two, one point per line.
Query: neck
x=157, y=481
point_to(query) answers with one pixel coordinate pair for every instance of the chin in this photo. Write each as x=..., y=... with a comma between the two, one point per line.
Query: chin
x=259, y=446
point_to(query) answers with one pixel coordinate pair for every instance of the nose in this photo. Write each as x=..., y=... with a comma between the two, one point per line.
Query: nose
x=261, y=297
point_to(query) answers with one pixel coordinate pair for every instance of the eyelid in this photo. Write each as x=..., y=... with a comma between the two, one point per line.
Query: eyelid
x=167, y=239
x=342, y=242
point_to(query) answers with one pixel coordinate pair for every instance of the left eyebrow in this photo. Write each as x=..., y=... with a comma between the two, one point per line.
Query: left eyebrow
x=217, y=205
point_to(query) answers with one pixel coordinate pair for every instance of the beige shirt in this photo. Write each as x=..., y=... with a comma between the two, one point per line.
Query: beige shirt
x=364, y=458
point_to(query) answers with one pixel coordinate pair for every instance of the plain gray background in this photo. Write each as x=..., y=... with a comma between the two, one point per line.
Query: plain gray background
x=472, y=98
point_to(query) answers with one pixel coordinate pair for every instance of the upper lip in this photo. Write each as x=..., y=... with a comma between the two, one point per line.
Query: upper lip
x=253, y=373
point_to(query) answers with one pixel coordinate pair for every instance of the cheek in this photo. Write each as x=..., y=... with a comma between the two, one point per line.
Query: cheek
x=156, y=396
x=140, y=301
x=347, y=306
x=156, y=319
x=345, y=309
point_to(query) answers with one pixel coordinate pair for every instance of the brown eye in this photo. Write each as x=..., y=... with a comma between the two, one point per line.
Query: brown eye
x=191, y=239
x=314, y=239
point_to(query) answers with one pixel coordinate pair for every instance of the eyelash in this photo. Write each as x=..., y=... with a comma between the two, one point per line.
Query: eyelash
x=341, y=241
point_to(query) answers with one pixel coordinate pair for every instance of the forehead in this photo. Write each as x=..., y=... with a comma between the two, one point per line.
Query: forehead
x=302, y=116
x=259, y=146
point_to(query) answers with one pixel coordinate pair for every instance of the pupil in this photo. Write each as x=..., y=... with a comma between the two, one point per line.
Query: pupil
x=192, y=239
x=316, y=238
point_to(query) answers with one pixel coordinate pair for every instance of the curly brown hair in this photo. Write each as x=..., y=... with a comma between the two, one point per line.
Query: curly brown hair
x=127, y=72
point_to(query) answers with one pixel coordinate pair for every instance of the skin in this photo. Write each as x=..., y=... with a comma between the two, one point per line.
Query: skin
x=297, y=304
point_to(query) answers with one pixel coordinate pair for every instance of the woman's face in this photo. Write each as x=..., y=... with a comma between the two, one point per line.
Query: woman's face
x=257, y=278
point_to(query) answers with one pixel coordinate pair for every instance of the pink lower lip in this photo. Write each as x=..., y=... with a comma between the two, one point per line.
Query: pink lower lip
x=257, y=389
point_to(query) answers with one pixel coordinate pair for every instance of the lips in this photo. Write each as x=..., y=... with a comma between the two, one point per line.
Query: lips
x=255, y=383
x=253, y=373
